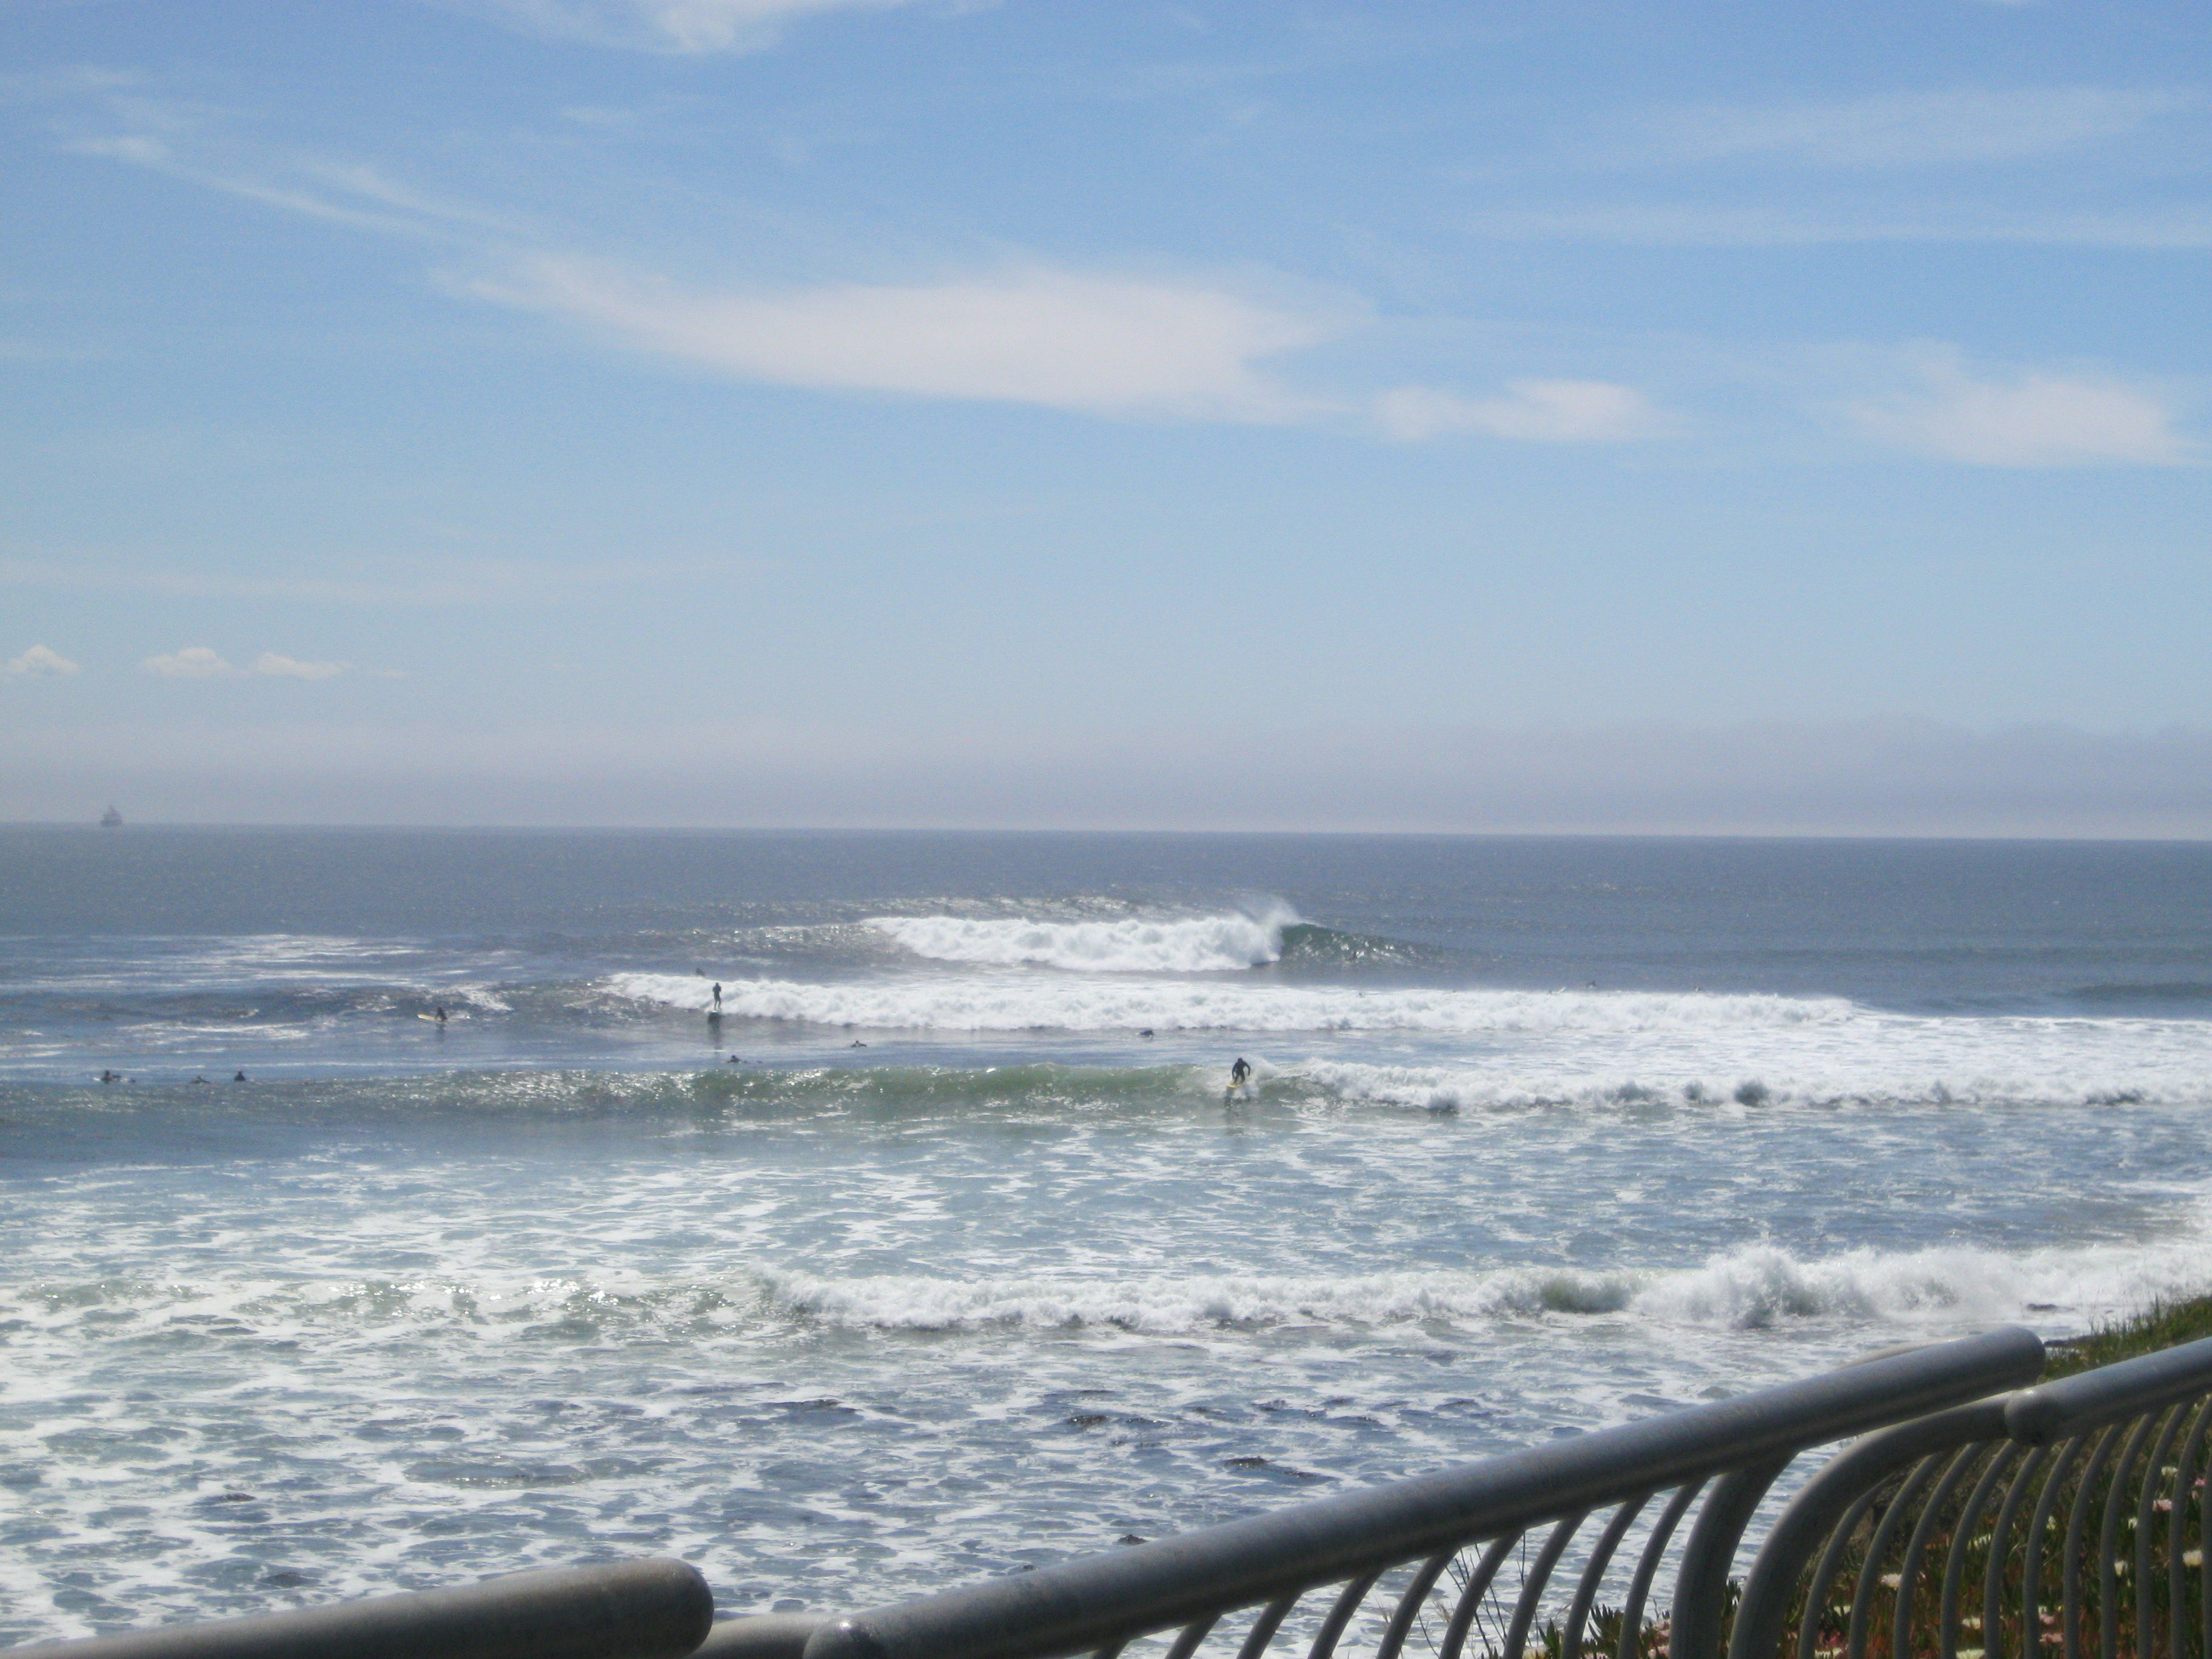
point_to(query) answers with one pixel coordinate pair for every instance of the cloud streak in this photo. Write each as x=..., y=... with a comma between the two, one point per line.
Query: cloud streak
x=1111, y=346
x=273, y=666
x=194, y=662
x=1967, y=127
x=201, y=662
x=2029, y=420
x=1798, y=224
x=688, y=27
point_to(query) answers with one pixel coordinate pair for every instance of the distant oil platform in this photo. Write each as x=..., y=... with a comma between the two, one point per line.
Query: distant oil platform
x=111, y=819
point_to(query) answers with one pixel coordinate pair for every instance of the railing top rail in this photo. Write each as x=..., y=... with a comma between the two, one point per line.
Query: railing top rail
x=649, y=1609
x=1104, y=1598
x=2058, y=1411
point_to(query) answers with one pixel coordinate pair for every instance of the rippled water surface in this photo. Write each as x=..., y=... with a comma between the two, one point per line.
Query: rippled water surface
x=954, y=1268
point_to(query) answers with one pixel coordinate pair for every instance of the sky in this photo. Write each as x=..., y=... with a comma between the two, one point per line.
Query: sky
x=1560, y=416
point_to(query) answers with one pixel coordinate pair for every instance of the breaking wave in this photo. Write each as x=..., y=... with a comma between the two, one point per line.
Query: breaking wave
x=1752, y=1288
x=1755, y=1287
x=1130, y=944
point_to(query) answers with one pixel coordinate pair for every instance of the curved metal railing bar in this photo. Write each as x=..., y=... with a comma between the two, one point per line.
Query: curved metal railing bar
x=650, y=1609
x=1630, y=1645
x=1916, y=1551
x=2069, y=1560
x=1954, y=1571
x=1593, y=1571
x=2089, y=1400
x=1999, y=1548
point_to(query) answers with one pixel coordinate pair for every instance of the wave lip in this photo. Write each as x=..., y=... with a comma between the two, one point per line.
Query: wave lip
x=1133, y=944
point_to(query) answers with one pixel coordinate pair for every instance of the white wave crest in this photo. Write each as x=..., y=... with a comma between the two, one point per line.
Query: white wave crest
x=1758, y=1285
x=1005, y=1002
x=1751, y=1288
x=1133, y=944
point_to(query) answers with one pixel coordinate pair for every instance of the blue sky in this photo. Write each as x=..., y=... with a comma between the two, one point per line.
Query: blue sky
x=1560, y=415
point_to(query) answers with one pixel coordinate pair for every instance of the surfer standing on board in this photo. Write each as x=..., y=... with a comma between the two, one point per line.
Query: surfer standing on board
x=1239, y=1075
x=718, y=997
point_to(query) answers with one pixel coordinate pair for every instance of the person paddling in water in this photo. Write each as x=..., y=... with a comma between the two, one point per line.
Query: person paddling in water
x=1239, y=1075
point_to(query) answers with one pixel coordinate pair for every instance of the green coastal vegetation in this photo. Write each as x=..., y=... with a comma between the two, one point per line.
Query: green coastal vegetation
x=2163, y=1324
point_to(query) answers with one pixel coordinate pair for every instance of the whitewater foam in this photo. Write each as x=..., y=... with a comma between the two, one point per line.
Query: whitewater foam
x=1478, y=1048
x=1131, y=945
x=1754, y=1287
x=1023, y=1002
x=1751, y=1288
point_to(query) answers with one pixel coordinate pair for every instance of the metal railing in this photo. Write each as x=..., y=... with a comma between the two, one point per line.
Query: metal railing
x=2002, y=1530
x=1482, y=1561
x=653, y=1609
x=1427, y=1563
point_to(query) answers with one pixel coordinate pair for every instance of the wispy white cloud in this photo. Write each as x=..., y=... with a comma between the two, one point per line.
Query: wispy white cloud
x=2027, y=420
x=41, y=660
x=293, y=668
x=1537, y=411
x=1956, y=128
x=194, y=662
x=675, y=26
x=1104, y=344
x=120, y=116
x=200, y=662
x=336, y=192
x=1799, y=224
x=1810, y=172
x=60, y=83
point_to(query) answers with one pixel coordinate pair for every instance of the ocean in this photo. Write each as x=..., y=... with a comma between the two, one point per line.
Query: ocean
x=945, y=1250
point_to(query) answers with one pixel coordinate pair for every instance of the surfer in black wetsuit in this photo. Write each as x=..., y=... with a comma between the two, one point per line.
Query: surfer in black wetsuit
x=441, y=1013
x=1239, y=1075
x=718, y=996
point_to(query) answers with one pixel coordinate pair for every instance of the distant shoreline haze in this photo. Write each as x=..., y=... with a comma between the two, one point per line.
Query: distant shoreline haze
x=1877, y=778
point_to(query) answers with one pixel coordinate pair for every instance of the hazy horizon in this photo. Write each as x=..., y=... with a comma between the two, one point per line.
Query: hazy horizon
x=1893, y=779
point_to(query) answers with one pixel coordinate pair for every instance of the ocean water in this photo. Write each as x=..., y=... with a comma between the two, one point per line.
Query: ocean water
x=965, y=1262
